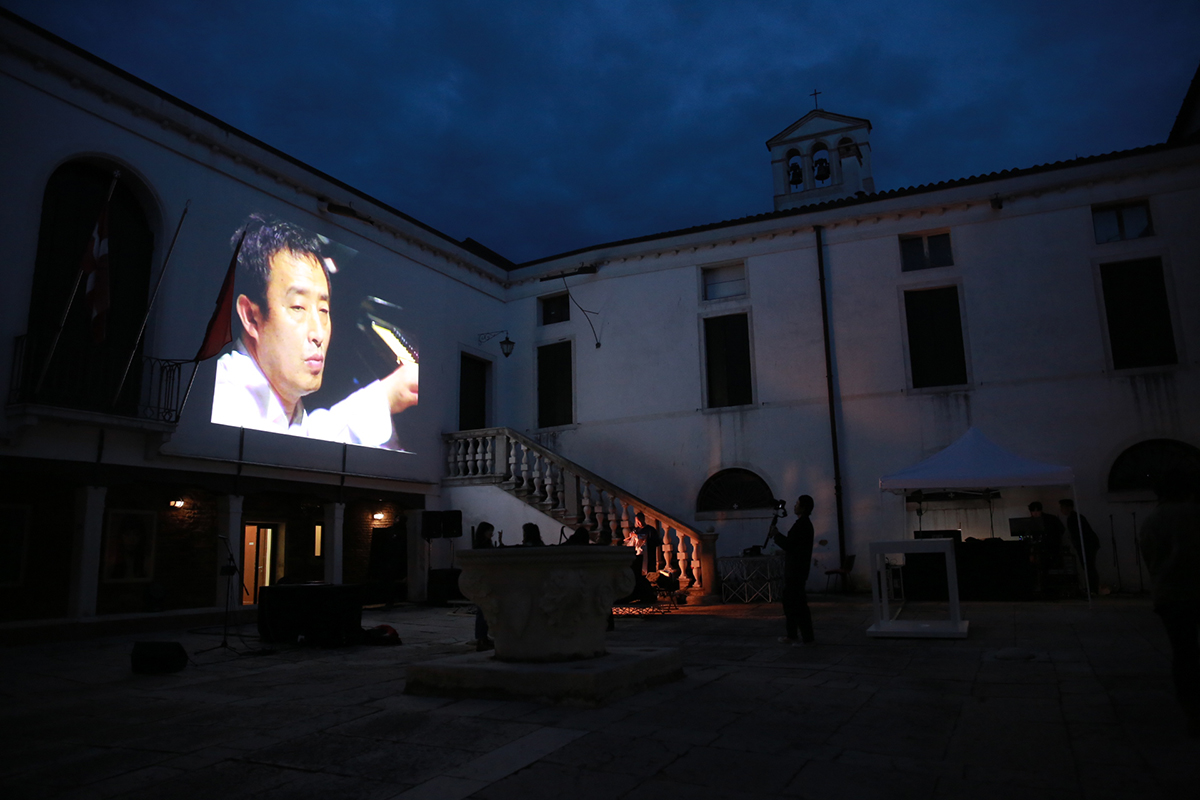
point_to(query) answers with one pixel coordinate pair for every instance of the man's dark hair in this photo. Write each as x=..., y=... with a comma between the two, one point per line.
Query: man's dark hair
x=265, y=237
x=1068, y=503
x=806, y=501
x=1035, y=506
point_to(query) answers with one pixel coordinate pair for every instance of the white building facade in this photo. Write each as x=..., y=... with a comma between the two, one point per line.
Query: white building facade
x=1054, y=307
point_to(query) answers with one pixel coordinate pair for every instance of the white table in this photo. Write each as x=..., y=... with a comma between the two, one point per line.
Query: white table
x=953, y=628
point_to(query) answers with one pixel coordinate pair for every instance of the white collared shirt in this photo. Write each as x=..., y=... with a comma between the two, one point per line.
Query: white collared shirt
x=243, y=398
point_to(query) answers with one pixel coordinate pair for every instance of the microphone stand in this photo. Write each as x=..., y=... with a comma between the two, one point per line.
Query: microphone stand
x=229, y=570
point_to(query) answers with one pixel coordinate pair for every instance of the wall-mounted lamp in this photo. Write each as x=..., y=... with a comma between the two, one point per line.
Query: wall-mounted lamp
x=506, y=344
x=176, y=503
x=377, y=515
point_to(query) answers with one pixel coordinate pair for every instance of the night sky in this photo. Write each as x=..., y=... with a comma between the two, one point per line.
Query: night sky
x=537, y=127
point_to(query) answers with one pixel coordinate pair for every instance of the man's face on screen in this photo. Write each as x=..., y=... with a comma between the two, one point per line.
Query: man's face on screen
x=293, y=331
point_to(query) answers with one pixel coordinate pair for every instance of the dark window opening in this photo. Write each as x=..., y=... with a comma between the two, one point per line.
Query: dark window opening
x=1121, y=222
x=1138, y=314
x=84, y=371
x=925, y=252
x=1140, y=467
x=473, y=376
x=935, y=344
x=734, y=490
x=555, y=309
x=554, y=385
x=727, y=357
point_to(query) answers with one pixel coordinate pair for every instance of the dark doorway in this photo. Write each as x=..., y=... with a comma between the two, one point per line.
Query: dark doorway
x=387, y=570
x=474, y=375
x=554, y=385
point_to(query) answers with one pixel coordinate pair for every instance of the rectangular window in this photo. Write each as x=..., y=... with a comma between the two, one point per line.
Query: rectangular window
x=925, y=252
x=473, y=376
x=318, y=530
x=1138, y=314
x=1120, y=222
x=936, y=354
x=724, y=281
x=554, y=384
x=727, y=359
x=556, y=308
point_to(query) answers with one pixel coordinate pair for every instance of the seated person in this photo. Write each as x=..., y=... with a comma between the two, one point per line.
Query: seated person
x=531, y=535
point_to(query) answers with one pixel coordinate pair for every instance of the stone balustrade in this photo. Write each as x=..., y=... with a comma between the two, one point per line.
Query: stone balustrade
x=566, y=491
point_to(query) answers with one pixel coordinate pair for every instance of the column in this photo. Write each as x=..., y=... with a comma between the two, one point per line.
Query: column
x=331, y=541
x=708, y=569
x=229, y=525
x=85, y=550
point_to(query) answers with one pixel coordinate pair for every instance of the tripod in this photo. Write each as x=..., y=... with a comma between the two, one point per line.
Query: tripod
x=229, y=570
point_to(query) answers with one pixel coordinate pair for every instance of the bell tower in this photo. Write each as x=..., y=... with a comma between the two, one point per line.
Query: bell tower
x=822, y=156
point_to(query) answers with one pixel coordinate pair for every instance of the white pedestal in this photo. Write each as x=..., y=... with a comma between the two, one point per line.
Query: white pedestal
x=885, y=626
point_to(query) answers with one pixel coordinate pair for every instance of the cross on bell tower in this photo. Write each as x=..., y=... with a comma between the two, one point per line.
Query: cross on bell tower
x=816, y=105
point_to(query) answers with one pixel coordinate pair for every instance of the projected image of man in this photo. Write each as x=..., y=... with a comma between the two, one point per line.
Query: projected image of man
x=284, y=309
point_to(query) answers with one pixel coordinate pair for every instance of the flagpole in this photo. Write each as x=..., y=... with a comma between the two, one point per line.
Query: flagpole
x=150, y=307
x=71, y=298
x=188, y=392
x=222, y=315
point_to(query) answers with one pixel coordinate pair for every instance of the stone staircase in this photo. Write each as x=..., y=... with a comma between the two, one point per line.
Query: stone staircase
x=576, y=496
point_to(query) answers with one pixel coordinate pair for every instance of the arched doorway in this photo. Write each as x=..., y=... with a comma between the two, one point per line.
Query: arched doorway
x=81, y=365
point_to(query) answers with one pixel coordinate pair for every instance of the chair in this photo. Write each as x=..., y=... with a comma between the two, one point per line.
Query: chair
x=840, y=572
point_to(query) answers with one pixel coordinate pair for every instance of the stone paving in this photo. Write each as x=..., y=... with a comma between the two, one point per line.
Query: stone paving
x=1085, y=710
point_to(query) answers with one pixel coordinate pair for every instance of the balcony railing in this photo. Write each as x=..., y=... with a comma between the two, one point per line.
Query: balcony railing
x=87, y=380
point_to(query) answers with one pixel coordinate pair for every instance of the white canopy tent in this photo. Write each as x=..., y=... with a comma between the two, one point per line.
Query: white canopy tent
x=976, y=462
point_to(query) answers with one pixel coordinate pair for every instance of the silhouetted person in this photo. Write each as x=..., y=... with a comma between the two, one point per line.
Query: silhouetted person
x=1047, y=544
x=1091, y=542
x=797, y=546
x=1170, y=539
x=649, y=542
x=531, y=535
x=483, y=541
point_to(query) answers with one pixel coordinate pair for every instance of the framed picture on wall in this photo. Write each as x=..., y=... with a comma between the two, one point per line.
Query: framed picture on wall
x=129, y=546
x=14, y=533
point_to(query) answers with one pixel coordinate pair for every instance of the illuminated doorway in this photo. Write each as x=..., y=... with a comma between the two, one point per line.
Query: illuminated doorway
x=258, y=542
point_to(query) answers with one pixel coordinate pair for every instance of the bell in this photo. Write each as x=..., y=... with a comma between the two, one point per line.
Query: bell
x=821, y=169
x=795, y=174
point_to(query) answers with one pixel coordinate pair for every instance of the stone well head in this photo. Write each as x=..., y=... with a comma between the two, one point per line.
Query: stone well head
x=546, y=603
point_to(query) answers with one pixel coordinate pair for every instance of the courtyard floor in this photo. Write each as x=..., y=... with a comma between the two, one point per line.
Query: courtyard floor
x=1086, y=711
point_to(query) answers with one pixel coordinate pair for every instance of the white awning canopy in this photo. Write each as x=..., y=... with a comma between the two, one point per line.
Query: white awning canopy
x=976, y=462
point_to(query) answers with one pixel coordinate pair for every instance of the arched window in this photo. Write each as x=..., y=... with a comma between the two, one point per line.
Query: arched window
x=822, y=168
x=1140, y=466
x=795, y=170
x=734, y=490
x=84, y=367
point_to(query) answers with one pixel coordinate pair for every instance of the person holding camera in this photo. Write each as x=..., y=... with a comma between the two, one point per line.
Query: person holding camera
x=797, y=545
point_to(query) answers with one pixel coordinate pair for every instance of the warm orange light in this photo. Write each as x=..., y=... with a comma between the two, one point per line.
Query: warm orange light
x=378, y=515
x=176, y=503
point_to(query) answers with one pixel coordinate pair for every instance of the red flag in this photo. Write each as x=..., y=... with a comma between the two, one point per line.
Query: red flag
x=220, y=327
x=95, y=267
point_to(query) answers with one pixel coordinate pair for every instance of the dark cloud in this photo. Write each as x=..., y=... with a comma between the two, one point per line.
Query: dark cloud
x=538, y=127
